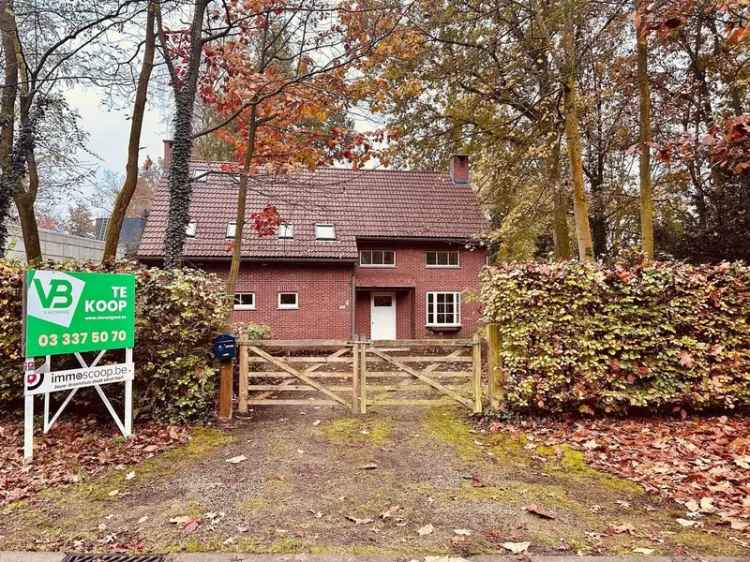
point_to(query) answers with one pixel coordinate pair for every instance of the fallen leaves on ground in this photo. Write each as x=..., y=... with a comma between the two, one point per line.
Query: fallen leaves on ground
x=73, y=447
x=516, y=547
x=702, y=463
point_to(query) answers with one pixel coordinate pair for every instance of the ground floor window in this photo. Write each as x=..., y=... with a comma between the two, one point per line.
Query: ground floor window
x=244, y=301
x=443, y=309
x=288, y=300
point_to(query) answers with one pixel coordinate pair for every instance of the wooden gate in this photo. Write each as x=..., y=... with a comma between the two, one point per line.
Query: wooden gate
x=419, y=372
x=361, y=373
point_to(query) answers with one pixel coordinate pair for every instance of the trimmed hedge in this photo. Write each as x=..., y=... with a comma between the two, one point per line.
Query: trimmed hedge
x=586, y=338
x=178, y=314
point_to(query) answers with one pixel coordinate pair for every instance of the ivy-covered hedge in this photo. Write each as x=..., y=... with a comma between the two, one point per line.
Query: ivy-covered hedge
x=586, y=338
x=178, y=314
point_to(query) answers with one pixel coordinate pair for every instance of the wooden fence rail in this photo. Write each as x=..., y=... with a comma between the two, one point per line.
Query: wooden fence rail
x=360, y=373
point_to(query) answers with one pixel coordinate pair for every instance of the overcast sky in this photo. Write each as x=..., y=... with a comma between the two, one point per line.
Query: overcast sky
x=109, y=130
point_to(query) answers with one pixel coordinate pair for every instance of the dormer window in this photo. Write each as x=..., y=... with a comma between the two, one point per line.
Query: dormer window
x=286, y=231
x=325, y=231
x=231, y=229
x=197, y=174
x=191, y=229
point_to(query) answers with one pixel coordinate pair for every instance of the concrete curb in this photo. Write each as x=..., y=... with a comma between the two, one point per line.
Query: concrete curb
x=225, y=557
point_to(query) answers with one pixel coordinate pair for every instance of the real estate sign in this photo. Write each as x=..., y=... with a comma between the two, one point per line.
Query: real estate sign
x=70, y=312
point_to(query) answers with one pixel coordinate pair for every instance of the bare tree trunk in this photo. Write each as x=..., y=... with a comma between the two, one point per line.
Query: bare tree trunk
x=573, y=138
x=122, y=201
x=560, y=233
x=234, y=269
x=647, y=197
x=8, y=181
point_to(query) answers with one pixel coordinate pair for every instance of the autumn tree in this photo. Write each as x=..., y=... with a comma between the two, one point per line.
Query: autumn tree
x=80, y=220
x=279, y=92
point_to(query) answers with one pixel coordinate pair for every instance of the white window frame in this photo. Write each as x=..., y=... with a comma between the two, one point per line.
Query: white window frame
x=325, y=225
x=231, y=229
x=191, y=230
x=244, y=306
x=436, y=252
x=370, y=251
x=456, y=303
x=286, y=231
x=294, y=306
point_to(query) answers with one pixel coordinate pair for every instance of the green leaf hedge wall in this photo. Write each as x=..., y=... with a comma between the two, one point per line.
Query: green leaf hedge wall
x=621, y=338
x=178, y=313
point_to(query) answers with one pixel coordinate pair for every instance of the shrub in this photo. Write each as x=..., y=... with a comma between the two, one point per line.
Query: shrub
x=178, y=314
x=664, y=336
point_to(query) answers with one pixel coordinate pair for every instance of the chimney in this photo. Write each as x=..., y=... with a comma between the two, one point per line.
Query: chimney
x=460, y=169
x=167, y=154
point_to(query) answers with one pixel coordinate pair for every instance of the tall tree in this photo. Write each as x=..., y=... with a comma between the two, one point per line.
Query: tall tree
x=645, y=137
x=124, y=196
x=573, y=135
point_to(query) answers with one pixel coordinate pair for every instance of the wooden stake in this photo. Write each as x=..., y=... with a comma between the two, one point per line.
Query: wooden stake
x=355, y=376
x=244, y=382
x=496, y=383
x=225, y=390
x=477, y=369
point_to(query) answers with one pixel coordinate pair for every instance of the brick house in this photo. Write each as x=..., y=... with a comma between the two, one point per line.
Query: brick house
x=382, y=254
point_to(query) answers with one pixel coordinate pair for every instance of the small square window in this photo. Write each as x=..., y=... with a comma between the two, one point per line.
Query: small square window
x=286, y=230
x=325, y=231
x=231, y=229
x=191, y=230
x=288, y=300
x=244, y=301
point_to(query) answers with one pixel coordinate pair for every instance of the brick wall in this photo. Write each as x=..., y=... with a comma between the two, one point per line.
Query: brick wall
x=325, y=293
x=411, y=270
x=325, y=298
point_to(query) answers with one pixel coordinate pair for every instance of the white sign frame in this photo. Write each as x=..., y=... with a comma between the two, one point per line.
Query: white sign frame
x=125, y=425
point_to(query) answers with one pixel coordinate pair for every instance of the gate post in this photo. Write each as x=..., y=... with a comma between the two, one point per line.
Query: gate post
x=242, y=404
x=477, y=371
x=355, y=375
x=496, y=384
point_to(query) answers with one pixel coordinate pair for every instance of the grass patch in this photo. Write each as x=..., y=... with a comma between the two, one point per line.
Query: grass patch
x=570, y=463
x=375, y=431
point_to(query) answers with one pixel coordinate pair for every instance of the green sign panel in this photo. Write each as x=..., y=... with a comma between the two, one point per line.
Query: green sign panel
x=68, y=312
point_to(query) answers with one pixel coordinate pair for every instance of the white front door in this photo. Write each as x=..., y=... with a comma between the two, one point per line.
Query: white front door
x=383, y=316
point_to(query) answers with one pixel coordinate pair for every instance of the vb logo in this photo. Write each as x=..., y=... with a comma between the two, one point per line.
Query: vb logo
x=60, y=293
x=53, y=296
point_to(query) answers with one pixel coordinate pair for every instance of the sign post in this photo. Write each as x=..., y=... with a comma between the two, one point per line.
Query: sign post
x=71, y=313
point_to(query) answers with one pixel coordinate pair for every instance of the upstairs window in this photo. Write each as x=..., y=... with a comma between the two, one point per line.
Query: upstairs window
x=244, y=301
x=191, y=229
x=231, y=229
x=442, y=258
x=325, y=231
x=286, y=231
x=443, y=309
x=377, y=258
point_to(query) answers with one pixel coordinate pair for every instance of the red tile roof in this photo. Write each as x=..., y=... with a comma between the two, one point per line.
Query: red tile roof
x=360, y=203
